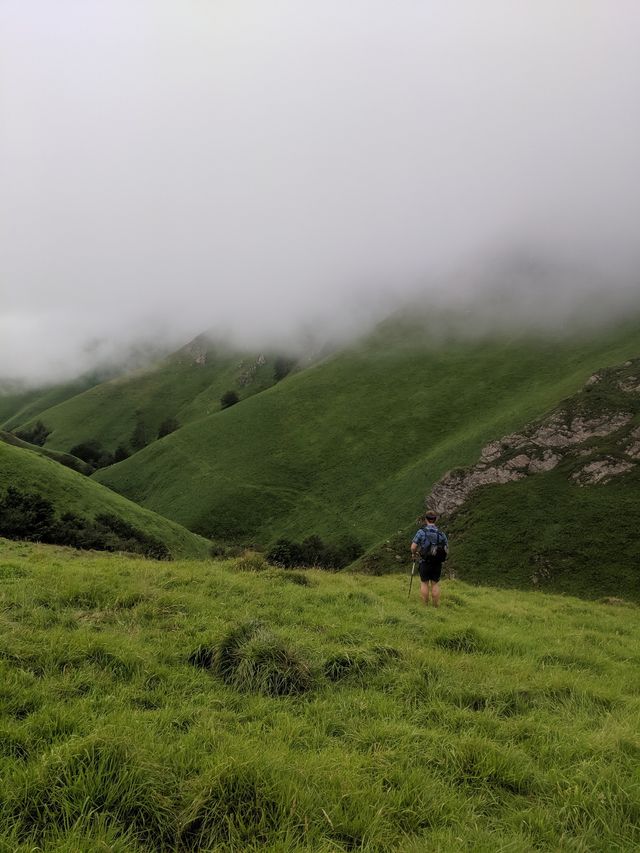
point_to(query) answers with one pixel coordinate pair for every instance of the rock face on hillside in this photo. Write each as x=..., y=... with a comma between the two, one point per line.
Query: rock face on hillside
x=594, y=429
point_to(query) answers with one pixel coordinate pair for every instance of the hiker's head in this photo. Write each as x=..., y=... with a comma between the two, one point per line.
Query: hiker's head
x=430, y=517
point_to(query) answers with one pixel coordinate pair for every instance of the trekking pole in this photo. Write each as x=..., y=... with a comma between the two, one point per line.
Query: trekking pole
x=413, y=571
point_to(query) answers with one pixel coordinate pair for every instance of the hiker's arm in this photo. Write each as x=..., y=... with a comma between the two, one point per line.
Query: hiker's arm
x=414, y=545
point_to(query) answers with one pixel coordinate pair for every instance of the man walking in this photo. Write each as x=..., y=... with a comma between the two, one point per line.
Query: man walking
x=430, y=545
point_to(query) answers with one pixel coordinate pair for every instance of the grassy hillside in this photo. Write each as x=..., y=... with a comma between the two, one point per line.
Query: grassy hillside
x=575, y=527
x=352, y=445
x=65, y=459
x=20, y=406
x=186, y=386
x=546, y=531
x=348, y=718
x=30, y=472
x=543, y=532
x=571, y=529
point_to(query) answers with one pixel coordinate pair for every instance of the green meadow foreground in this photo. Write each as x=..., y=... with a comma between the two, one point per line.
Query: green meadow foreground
x=154, y=706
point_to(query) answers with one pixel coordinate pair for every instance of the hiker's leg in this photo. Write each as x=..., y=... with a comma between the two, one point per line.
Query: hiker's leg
x=435, y=594
x=424, y=592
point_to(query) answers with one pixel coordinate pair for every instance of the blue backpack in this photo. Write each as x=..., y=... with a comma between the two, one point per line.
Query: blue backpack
x=434, y=552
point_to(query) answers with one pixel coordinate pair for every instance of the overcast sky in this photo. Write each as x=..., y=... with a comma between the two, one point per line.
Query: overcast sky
x=167, y=166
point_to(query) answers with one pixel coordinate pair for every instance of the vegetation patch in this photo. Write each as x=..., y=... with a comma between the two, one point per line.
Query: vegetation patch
x=239, y=807
x=482, y=765
x=251, y=562
x=99, y=774
x=371, y=736
x=29, y=516
x=252, y=658
x=349, y=662
x=468, y=640
x=314, y=552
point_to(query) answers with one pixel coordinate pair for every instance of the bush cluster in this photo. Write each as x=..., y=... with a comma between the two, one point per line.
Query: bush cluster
x=36, y=434
x=282, y=367
x=25, y=515
x=314, y=552
x=168, y=426
x=229, y=398
x=93, y=453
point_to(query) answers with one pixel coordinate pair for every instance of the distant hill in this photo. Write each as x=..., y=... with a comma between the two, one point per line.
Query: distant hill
x=130, y=409
x=351, y=445
x=63, y=458
x=19, y=404
x=32, y=477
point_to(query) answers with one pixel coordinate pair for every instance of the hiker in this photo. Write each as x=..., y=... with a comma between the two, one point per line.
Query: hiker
x=430, y=545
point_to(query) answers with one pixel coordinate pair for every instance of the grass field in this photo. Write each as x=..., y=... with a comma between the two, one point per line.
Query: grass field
x=224, y=706
x=352, y=446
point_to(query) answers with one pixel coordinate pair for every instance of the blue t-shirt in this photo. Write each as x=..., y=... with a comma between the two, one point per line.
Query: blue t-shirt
x=430, y=535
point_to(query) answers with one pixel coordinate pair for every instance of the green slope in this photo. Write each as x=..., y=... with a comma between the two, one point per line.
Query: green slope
x=63, y=458
x=563, y=530
x=19, y=407
x=352, y=445
x=572, y=529
x=186, y=386
x=545, y=531
x=69, y=491
x=501, y=723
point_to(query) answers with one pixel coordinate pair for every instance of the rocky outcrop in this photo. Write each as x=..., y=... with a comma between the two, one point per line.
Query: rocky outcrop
x=575, y=429
x=632, y=445
x=196, y=351
x=249, y=371
x=601, y=471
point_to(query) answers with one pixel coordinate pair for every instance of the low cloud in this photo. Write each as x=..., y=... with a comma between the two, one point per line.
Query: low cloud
x=261, y=168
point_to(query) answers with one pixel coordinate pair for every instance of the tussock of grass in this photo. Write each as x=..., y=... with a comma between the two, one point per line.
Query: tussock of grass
x=99, y=773
x=251, y=562
x=468, y=640
x=358, y=661
x=238, y=805
x=288, y=576
x=252, y=658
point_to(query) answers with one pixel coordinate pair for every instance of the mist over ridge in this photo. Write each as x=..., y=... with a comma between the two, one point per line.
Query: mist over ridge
x=275, y=171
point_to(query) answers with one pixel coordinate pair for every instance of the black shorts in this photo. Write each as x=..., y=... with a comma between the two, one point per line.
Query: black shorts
x=430, y=570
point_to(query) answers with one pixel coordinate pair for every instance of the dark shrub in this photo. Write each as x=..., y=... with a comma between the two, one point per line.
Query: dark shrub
x=467, y=640
x=314, y=552
x=89, y=451
x=285, y=553
x=202, y=657
x=282, y=367
x=93, y=453
x=236, y=808
x=139, y=437
x=168, y=426
x=121, y=453
x=25, y=515
x=35, y=434
x=229, y=398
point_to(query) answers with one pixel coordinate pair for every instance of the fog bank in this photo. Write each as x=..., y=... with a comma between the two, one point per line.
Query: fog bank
x=260, y=166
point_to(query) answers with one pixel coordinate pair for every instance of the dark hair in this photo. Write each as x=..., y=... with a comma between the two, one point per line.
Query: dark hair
x=430, y=516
